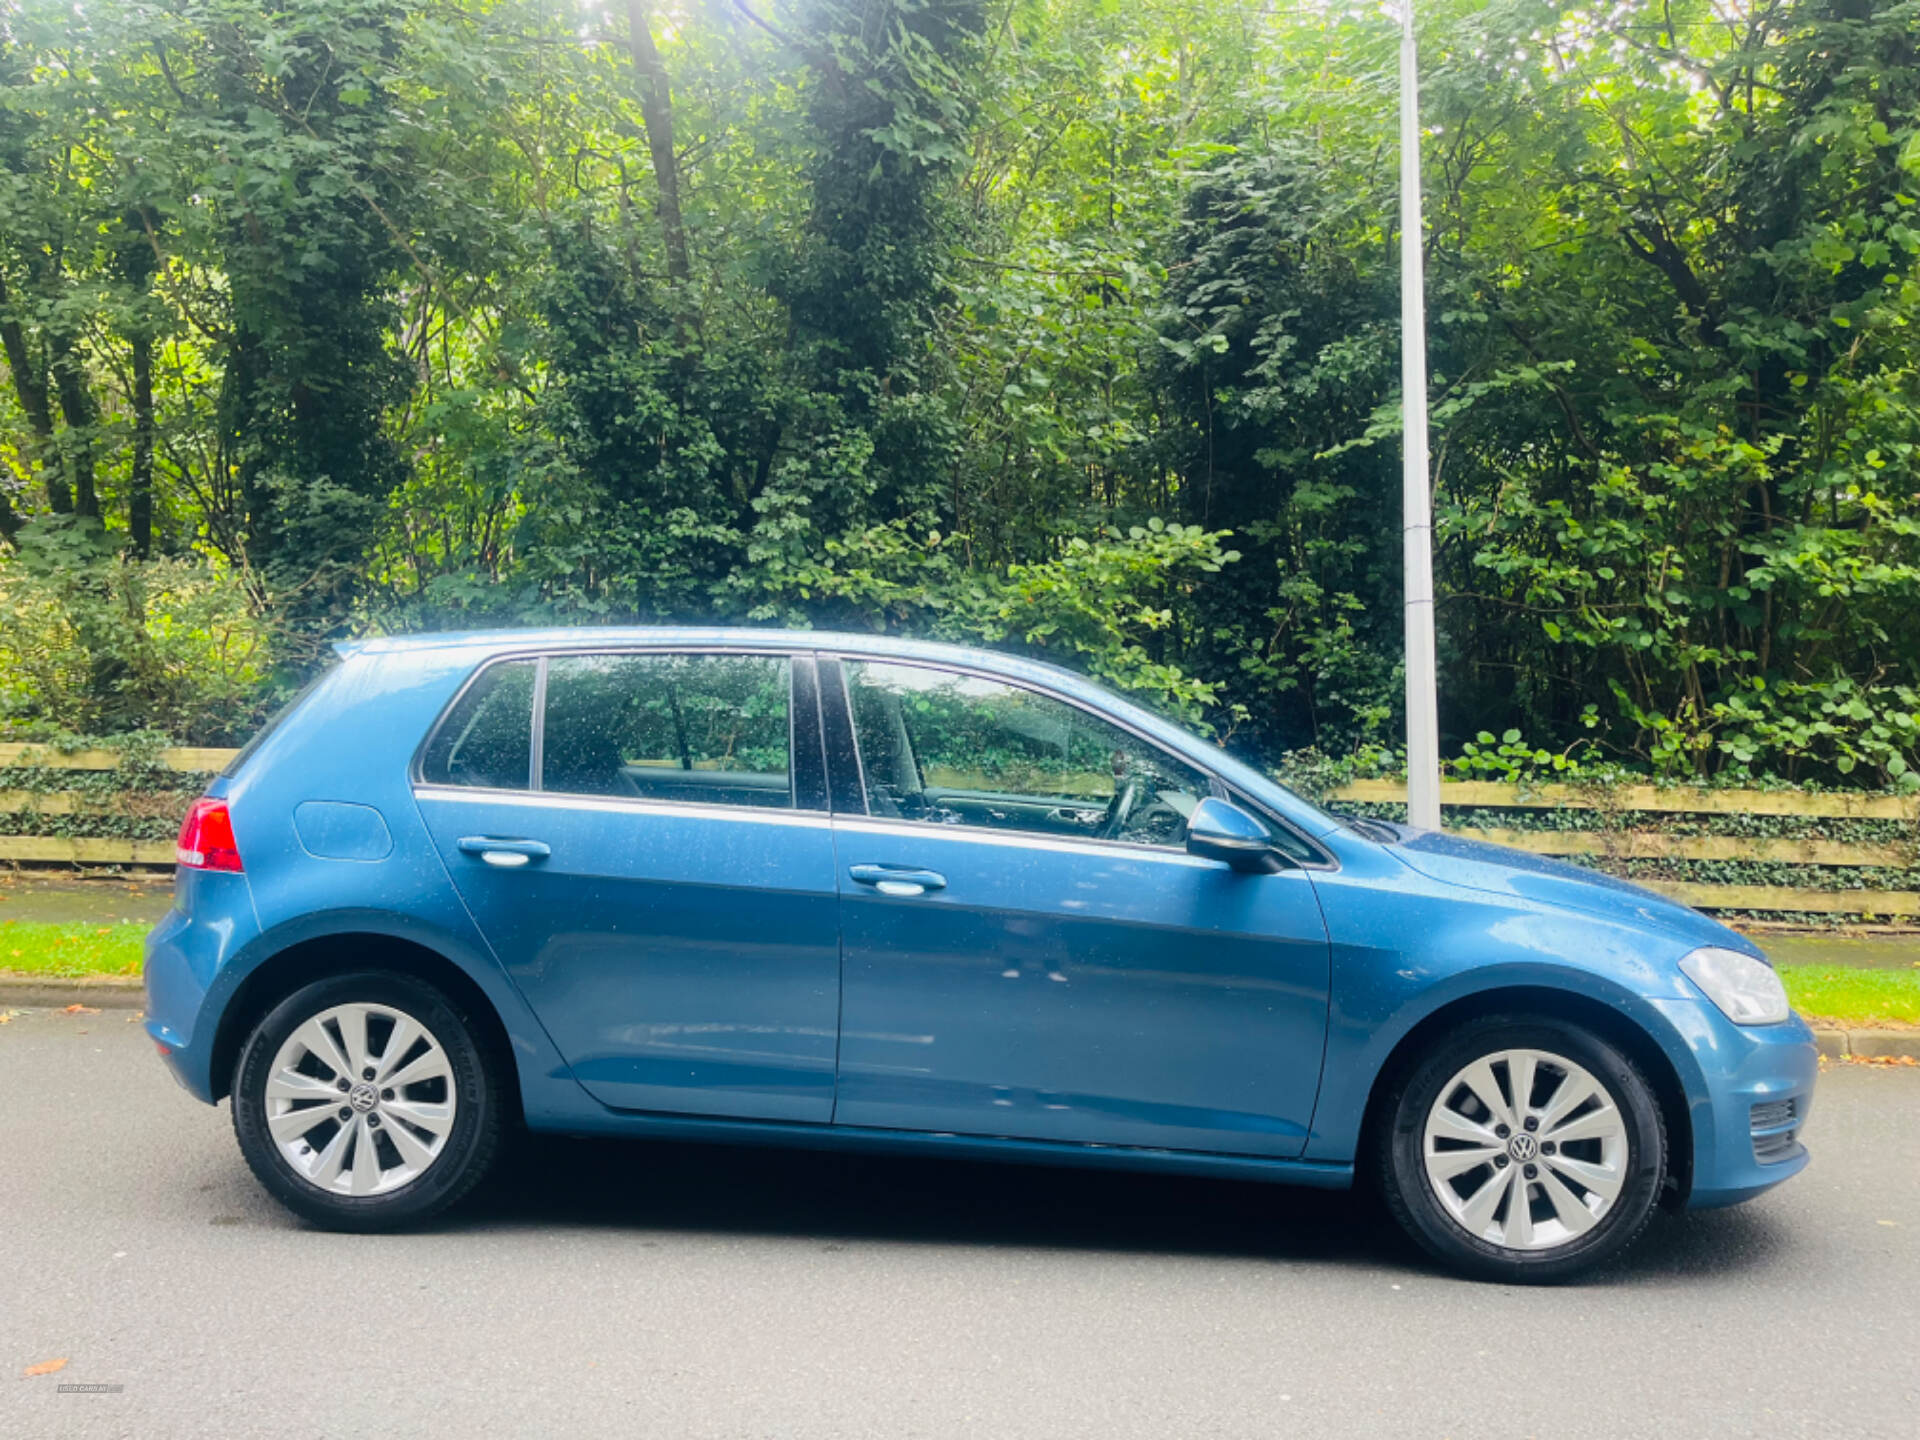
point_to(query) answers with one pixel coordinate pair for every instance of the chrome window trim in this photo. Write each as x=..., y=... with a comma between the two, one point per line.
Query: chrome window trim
x=1217, y=786
x=623, y=804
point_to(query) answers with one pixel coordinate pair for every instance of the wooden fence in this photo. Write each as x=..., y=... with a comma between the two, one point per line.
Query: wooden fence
x=84, y=850
x=1628, y=844
x=1605, y=844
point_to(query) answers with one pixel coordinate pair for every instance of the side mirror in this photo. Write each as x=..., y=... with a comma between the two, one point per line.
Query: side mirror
x=1218, y=830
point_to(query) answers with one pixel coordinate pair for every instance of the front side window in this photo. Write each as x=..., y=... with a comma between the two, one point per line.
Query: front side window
x=486, y=739
x=954, y=749
x=708, y=729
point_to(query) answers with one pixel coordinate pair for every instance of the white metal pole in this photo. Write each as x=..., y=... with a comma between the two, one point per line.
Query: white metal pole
x=1423, y=721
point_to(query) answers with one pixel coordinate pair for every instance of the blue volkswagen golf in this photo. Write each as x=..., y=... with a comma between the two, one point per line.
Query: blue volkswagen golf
x=826, y=890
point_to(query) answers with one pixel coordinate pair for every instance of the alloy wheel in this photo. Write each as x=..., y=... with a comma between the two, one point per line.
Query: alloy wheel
x=360, y=1099
x=1525, y=1149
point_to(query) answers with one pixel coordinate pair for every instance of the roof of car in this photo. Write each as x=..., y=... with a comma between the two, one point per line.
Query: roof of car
x=573, y=637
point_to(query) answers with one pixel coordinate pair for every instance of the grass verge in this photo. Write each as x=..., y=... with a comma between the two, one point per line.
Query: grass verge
x=69, y=951
x=1854, y=997
x=1847, y=996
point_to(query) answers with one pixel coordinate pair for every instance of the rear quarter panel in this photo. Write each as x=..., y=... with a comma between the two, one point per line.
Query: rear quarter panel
x=352, y=745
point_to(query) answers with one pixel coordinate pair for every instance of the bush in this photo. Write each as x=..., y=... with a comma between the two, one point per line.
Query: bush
x=92, y=642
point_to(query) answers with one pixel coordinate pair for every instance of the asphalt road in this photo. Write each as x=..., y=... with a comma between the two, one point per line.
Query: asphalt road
x=655, y=1291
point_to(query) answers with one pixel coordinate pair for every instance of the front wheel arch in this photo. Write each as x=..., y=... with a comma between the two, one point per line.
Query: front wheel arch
x=286, y=971
x=1607, y=1022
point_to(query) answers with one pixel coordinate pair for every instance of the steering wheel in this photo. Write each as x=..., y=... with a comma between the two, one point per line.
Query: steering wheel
x=1125, y=801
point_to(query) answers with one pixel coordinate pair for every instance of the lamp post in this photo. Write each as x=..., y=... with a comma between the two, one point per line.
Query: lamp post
x=1423, y=721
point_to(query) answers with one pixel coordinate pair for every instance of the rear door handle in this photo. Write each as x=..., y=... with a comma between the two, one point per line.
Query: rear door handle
x=898, y=880
x=507, y=854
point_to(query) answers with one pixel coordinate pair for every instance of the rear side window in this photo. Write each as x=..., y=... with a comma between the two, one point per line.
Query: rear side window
x=709, y=729
x=486, y=740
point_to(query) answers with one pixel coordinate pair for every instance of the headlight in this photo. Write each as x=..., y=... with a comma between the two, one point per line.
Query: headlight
x=1747, y=990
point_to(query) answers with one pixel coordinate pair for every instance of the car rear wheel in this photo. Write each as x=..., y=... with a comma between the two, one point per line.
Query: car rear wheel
x=365, y=1102
x=1523, y=1150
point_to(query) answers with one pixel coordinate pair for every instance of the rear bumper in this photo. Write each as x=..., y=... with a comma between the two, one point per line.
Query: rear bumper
x=1738, y=1154
x=186, y=953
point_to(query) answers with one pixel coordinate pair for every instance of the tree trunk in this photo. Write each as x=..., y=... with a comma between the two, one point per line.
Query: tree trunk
x=140, y=480
x=76, y=408
x=32, y=391
x=656, y=109
x=251, y=504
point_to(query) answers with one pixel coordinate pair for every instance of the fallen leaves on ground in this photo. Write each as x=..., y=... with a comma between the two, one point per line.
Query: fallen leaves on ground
x=78, y=1009
x=1905, y=1060
x=46, y=1367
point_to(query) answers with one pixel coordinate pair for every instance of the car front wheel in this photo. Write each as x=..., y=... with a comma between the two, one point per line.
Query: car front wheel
x=1523, y=1150
x=365, y=1102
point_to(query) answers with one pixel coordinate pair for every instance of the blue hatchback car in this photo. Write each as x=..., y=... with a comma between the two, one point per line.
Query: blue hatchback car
x=826, y=890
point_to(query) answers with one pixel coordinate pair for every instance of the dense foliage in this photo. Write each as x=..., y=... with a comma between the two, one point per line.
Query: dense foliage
x=1064, y=325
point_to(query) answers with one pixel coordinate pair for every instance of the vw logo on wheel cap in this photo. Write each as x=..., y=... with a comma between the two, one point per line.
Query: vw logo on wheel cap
x=363, y=1098
x=1523, y=1147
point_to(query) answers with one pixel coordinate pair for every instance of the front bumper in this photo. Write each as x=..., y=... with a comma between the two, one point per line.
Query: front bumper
x=1754, y=1093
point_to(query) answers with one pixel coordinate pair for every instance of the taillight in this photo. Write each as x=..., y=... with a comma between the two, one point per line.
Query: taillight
x=206, y=839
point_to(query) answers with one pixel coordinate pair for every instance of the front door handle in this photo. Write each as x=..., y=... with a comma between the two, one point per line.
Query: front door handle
x=898, y=880
x=507, y=854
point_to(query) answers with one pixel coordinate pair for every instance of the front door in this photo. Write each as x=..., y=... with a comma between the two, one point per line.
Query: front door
x=654, y=870
x=1029, y=951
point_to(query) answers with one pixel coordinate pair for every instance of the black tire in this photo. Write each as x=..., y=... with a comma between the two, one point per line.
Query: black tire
x=471, y=1143
x=1402, y=1171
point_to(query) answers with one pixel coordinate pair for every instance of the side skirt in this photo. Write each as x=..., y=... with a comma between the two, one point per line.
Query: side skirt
x=1319, y=1174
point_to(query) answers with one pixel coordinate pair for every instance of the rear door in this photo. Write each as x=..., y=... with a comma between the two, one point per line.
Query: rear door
x=643, y=838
